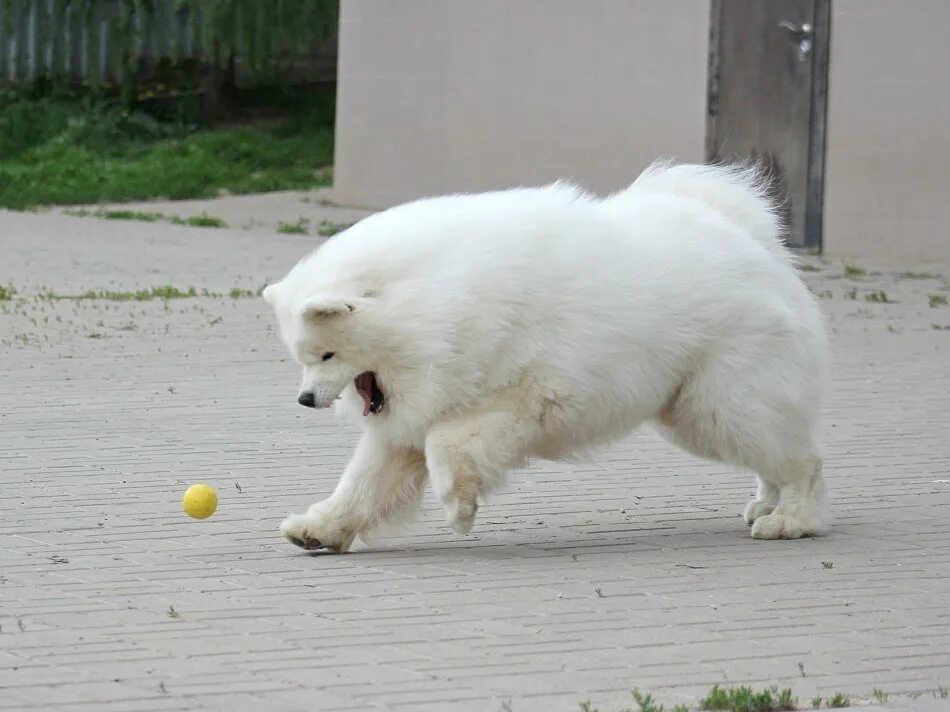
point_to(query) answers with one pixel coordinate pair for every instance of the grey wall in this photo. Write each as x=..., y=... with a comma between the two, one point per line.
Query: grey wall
x=452, y=95
x=887, y=189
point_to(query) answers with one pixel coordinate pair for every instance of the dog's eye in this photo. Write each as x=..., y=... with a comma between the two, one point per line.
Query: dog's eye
x=327, y=356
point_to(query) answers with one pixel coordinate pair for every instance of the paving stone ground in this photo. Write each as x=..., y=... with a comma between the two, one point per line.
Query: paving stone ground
x=578, y=583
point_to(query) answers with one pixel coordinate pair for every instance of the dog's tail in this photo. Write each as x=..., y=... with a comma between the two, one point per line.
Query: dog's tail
x=742, y=193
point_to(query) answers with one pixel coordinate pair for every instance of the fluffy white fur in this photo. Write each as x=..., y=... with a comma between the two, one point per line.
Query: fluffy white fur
x=542, y=322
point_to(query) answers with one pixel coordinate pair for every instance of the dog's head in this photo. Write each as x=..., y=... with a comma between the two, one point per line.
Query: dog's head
x=327, y=335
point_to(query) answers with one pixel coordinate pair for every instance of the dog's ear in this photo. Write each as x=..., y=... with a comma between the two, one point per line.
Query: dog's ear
x=324, y=307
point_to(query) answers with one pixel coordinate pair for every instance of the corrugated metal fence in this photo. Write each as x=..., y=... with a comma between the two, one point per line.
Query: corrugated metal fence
x=95, y=40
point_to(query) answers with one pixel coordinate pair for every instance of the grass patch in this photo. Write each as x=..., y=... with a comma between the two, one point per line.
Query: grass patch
x=203, y=220
x=879, y=297
x=808, y=268
x=142, y=295
x=58, y=151
x=6, y=293
x=839, y=700
x=918, y=275
x=238, y=293
x=854, y=271
x=828, y=564
x=329, y=229
x=165, y=293
x=116, y=215
x=129, y=215
x=745, y=699
x=816, y=702
x=301, y=227
x=937, y=300
x=881, y=696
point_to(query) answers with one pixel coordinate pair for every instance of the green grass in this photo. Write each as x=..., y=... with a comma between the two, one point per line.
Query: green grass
x=881, y=696
x=128, y=215
x=203, y=220
x=645, y=702
x=68, y=152
x=839, y=700
x=808, y=268
x=937, y=300
x=301, y=227
x=238, y=293
x=142, y=295
x=816, y=702
x=852, y=271
x=6, y=293
x=918, y=275
x=879, y=297
x=165, y=292
x=329, y=229
x=745, y=699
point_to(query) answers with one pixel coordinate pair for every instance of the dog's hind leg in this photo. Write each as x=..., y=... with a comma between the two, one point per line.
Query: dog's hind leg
x=761, y=415
x=379, y=484
x=469, y=456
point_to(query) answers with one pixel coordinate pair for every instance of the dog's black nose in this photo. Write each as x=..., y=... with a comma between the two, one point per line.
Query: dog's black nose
x=306, y=399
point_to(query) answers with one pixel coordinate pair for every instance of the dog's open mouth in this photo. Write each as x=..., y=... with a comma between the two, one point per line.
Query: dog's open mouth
x=373, y=397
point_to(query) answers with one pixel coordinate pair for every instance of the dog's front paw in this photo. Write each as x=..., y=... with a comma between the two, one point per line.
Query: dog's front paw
x=312, y=531
x=756, y=509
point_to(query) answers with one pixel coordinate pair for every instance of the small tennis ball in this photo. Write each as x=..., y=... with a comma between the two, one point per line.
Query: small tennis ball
x=200, y=501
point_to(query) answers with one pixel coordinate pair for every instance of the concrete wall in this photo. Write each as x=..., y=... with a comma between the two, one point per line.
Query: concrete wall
x=453, y=95
x=887, y=190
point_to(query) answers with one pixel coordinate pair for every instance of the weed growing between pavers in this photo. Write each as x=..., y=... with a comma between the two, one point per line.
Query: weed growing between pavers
x=203, y=220
x=919, y=275
x=732, y=699
x=301, y=227
x=329, y=229
x=852, y=271
x=879, y=297
x=745, y=699
x=937, y=300
x=166, y=293
x=839, y=700
x=6, y=293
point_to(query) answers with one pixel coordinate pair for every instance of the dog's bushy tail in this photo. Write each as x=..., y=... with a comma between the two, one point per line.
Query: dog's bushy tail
x=742, y=193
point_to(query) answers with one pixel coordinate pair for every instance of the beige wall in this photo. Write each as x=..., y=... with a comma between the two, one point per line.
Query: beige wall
x=887, y=190
x=451, y=95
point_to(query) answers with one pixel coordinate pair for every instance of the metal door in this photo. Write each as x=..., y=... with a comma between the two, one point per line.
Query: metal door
x=768, y=72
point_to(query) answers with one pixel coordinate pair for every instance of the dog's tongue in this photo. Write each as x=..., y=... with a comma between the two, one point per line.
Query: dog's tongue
x=364, y=386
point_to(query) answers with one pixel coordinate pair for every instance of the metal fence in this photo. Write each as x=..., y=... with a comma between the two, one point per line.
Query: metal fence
x=95, y=40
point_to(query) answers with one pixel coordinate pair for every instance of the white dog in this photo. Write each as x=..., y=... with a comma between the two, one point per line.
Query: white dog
x=470, y=333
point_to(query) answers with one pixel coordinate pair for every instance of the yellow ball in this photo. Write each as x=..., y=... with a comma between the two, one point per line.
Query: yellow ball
x=200, y=501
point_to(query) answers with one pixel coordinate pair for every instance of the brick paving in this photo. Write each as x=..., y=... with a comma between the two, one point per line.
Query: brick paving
x=580, y=582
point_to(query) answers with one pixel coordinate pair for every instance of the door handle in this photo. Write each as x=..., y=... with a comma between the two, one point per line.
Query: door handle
x=797, y=31
x=801, y=34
